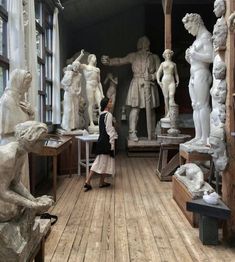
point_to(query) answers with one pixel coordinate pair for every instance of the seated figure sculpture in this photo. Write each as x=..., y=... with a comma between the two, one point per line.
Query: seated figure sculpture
x=13, y=107
x=199, y=55
x=94, y=90
x=14, y=197
x=168, y=80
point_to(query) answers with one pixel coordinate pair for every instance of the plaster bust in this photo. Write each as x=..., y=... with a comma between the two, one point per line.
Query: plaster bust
x=231, y=22
x=219, y=8
x=220, y=34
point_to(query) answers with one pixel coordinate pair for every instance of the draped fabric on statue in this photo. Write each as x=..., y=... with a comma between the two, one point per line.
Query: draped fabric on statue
x=56, y=115
x=16, y=49
x=31, y=55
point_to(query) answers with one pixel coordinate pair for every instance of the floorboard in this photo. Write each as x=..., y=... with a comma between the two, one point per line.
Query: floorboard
x=135, y=219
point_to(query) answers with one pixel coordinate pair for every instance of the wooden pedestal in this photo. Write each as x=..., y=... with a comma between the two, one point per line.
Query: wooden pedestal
x=181, y=195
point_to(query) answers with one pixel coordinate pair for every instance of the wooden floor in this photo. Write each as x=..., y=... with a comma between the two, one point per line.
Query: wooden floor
x=135, y=219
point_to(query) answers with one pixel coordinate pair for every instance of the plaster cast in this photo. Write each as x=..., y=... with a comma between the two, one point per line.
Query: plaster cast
x=219, y=8
x=142, y=92
x=112, y=90
x=199, y=55
x=168, y=80
x=94, y=90
x=14, y=197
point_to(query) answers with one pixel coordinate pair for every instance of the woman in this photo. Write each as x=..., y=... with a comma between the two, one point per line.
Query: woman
x=169, y=80
x=104, y=163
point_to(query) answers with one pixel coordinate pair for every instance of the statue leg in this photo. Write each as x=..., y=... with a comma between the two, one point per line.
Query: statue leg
x=90, y=98
x=153, y=119
x=133, y=119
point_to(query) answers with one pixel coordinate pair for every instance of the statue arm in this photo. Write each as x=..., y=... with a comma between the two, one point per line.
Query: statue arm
x=159, y=74
x=176, y=76
x=117, y=61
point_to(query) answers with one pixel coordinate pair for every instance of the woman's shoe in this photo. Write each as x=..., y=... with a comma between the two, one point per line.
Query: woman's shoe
x=87, y=187
x=105, y=185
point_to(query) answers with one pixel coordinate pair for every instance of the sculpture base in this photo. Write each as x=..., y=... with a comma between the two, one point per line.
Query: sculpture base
x=165, y=122
x=181, y=195
x=93, y=129
x=143, y=147
x=23, y=239
x=194, y=148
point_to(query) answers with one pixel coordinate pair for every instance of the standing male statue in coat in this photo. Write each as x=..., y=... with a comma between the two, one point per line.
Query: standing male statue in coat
x=143, y=91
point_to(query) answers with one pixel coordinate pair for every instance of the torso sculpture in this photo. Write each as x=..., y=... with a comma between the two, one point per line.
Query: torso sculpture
x=142, y=91
x=199, y=55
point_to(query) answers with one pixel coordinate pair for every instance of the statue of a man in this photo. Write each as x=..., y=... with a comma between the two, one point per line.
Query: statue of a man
x=199, y=55
x=94, y=90
x=142, y=91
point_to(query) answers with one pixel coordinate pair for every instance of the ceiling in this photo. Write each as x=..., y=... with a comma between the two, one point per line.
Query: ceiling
x=78, y=14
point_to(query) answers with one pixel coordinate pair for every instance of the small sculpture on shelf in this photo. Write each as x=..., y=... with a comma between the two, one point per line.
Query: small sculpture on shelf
x=199, y=55
x=142, y=93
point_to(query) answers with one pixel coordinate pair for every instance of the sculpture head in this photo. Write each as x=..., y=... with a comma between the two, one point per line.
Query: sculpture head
x=92, y=59
x=219, y=8
x=219, y=70
x=220, y=34
x=167, y=54
x=20, y=81
x=143, y=43
x=31, y=135
x=192, y=23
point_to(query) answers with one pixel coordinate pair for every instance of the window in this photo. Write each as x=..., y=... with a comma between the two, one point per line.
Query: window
x=44, y=25
x=4, y=61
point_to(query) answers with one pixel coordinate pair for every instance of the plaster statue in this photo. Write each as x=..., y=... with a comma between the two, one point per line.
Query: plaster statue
x=168, y=80
x=219, y=8
x=14, y=197
x=142, y=92
x=199, y=55
x=13, y=107
x=111, y=92
x=191, y=175
x=94, y=90
x=71, y=83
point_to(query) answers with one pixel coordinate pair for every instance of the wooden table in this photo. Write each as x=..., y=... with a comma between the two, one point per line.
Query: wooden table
x=87, y=162
x=53, y=149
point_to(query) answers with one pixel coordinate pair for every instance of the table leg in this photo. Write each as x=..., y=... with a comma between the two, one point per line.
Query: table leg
x=87, y=159
x=54, y=176
x=79, y=157
x=70, y=159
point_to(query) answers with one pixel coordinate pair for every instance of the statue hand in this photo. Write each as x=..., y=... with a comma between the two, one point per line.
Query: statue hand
x=105, y=60
x=26, y=107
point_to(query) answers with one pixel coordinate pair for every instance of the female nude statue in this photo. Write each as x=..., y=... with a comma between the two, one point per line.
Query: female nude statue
x=169, y=80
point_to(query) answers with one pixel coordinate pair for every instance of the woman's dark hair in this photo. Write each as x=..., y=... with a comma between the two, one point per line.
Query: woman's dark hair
x=103, y=103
